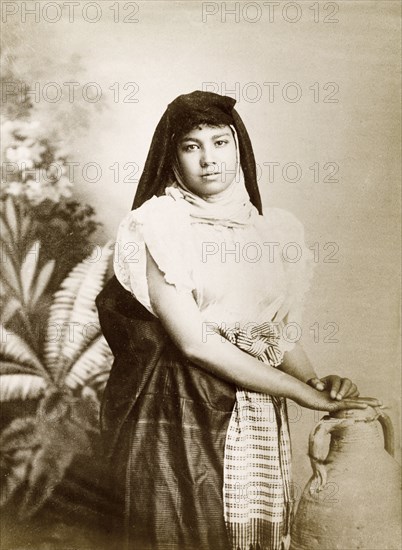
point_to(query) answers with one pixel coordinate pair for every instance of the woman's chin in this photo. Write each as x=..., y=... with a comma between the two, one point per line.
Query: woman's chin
x=213, y=186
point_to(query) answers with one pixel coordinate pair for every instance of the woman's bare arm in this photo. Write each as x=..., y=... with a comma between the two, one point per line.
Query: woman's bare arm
x=297, y=364
x=182, y=320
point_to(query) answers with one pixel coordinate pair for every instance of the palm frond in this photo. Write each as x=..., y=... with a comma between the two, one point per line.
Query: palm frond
x=28, y=270
x=4, y=230
x=75, y=312
x=19, y=434
x=8, y=367
x=95, y=360
x=10, y=306
x=97, y=383
x=42, y=281
x=9, y=272
x=60, y=311
x=25, y=226
x=14, y=348
x=84, y=313
x=20, y=386
x=10, y=216
x=17, y=444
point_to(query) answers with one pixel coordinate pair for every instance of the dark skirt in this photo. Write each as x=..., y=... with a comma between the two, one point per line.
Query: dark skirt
x=164, y=422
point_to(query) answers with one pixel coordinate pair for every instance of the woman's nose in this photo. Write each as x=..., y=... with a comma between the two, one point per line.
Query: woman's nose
x=207, y=157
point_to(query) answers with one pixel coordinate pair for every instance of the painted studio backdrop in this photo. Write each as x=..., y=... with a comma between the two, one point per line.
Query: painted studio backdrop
x=83, y=87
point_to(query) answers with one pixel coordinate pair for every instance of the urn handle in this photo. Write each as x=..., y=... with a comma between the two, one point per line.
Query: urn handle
x=388, y=431
x=316, y=445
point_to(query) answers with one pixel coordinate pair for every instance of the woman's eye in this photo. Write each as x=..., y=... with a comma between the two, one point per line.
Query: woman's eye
x=189, y=148
x=220, y=142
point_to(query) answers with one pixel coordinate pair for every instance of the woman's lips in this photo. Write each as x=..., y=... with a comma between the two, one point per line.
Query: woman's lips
x=210, y=175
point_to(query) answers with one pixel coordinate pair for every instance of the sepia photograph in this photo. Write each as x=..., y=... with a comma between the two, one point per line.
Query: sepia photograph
x=200, y=229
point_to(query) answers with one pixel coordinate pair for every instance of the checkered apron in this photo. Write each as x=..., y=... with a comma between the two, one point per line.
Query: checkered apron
x=257, y=491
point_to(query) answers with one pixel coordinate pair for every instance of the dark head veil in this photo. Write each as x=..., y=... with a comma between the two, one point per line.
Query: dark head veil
x=185, y=112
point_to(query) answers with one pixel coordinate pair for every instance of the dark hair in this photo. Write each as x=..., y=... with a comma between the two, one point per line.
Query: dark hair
x=185, y=124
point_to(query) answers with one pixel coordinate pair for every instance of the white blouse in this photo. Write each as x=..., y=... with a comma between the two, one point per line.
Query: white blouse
x=248, y=274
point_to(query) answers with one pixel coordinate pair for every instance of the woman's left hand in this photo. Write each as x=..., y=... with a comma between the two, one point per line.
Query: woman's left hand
x=337, y=386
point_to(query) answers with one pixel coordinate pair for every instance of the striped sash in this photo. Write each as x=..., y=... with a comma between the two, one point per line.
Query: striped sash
x=257, y=491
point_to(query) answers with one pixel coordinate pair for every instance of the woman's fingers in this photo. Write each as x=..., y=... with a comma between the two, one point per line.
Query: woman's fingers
x=323, y=402
x=351, y=404
x=358, y=403
x=316, y=383
x=340, y=388
x=335, y=385
x=353, y=391
x=372, y=401
x=344, y=390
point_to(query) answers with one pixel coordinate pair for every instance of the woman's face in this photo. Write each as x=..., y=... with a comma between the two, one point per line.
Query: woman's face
x=207, y=158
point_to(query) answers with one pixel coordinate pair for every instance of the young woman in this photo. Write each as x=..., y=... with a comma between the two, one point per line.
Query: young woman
x=200, y=318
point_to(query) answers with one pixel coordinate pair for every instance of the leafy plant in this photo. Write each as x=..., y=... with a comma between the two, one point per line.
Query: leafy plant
x=52, y=354
x=36, y=198
x=67, y=377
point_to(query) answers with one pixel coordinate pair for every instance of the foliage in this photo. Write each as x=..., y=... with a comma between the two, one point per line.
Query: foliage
x=67, y=378
x=36, y=198
x=51, y=348
x=24, y=78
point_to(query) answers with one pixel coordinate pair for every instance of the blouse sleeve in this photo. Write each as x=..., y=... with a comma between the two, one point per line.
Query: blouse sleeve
x=161, y=226
x=297, y=260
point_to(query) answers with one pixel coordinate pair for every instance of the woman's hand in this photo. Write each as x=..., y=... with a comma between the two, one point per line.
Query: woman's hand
x=323, y=401
x=337, y=387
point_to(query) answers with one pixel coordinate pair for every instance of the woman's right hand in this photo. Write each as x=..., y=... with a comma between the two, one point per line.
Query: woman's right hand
x=322, y=401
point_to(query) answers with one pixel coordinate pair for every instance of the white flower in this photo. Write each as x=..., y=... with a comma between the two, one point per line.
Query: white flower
x=32, y=129
x=42, y=189
x=21, y=156
x=51, y=193
x=36, y=149
x=64, y=187
x=34, y=191
x=8, y=128
x=14, y=188
x=62, y=153
x=23, y=144
x=26, y=154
